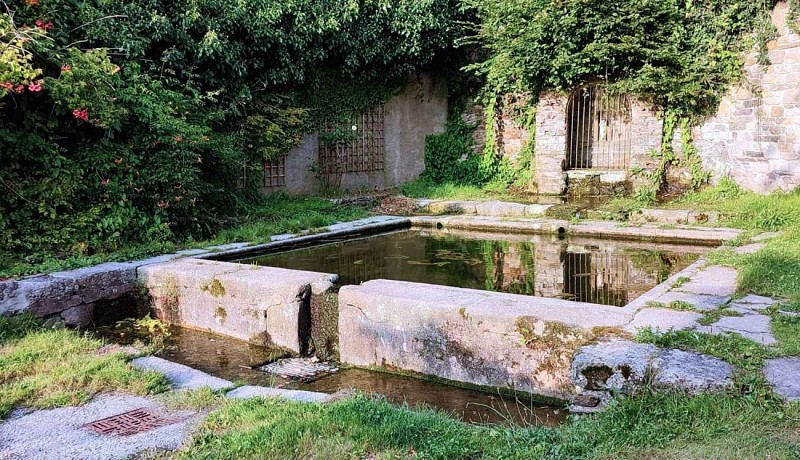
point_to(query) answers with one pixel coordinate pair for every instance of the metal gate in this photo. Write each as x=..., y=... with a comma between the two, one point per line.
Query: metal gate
x=358, y=146
x=598, y=129
x=596, y=277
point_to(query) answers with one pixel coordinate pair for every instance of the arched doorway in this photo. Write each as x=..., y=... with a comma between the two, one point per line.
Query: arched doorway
x=598, y=130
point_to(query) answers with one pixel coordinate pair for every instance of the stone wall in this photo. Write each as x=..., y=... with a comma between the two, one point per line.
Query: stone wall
x=511, y=342
x=421, y=109
x=551, y=144
x=755, y=135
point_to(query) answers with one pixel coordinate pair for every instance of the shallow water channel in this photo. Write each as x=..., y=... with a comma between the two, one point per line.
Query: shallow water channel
x=609, y=272
x=233, y=360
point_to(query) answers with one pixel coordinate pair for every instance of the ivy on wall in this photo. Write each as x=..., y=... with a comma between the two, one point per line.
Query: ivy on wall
x=680, y=56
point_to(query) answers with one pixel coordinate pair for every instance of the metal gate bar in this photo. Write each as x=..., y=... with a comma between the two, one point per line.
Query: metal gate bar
x=598, y=130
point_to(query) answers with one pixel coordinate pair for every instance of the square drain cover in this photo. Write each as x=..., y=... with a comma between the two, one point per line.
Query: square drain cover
x=128, y=423
x=303, y=370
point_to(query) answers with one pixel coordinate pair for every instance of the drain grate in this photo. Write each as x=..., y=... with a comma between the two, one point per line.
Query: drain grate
x=129, y=423
x=303, y=370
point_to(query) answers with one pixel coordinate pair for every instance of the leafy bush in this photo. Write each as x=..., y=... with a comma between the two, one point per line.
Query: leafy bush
x=124, y=122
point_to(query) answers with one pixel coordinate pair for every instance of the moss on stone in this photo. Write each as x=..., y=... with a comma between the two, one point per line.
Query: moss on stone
x=221, y=314
x=213, y=287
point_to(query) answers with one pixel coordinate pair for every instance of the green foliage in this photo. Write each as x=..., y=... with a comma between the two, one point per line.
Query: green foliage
x=148, y=112
x=679, y=55
x=450, y=156
x=650, y=425
x=272, y=215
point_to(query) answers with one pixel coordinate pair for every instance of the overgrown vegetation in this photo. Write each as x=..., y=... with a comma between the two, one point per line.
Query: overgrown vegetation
x=45, y=368
x=125, y=122
x=275, y=214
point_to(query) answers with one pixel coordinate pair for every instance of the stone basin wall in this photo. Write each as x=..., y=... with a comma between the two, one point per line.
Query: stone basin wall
x=261, y=305
x=486, y=339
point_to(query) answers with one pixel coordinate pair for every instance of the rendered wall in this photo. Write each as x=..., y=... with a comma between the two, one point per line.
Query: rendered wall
x=421, y=109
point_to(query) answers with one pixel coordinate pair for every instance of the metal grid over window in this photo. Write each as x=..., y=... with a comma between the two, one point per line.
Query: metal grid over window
x=598, y=130
x=596, y=277
x=358, y=146
x=275, y=172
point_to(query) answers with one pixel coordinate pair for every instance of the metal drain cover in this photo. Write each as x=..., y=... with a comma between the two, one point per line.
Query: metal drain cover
x=303, y=370
x=129, y=423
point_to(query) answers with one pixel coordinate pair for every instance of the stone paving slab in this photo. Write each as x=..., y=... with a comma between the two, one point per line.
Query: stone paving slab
x=749, y=248
x=249, y=391
x=714, y=280
x=59, y=434
x=754, y=327
x=662, y=319
x=693, y=372
x=182, y=377
x=698, y=301
x=782, y=374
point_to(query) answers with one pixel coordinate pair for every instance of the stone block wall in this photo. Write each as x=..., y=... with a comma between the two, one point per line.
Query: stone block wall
x=551, y=141
x=421, y=109
x=71, y=297
x=262, y=305
x=755, y=135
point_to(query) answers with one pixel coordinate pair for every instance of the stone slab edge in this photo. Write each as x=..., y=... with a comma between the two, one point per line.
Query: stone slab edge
x=679, y=234
x=183, y=377
x=663, y=288
x=357, y=227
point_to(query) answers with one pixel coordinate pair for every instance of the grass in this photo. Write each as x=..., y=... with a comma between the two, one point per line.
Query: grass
x=276, y=214
x=58, y=367
x=773, y=271
x=448, y=191
x=650, y=425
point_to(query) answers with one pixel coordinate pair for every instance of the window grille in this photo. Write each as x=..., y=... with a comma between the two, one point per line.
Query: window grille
x=598, y=130
x=358, y=146
x=275, y=172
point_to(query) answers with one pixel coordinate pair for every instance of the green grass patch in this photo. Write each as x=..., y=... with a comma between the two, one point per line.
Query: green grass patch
x=59, y=367
x=423, y=188
x=276, y=214
x=648, y=425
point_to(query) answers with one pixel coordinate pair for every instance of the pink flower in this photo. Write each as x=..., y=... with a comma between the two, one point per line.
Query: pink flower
x=81, y=114
x=105, y=182
x=66, y=68
x=36, y=86
x=31, y=2
x=7, y=85
x=43, y=25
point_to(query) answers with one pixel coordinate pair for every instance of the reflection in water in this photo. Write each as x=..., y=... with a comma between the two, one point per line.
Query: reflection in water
x=586, y=270
x=232, y=359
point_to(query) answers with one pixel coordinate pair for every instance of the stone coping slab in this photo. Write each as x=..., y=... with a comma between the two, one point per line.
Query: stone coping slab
x=262, y=305
x=490, y=208
x=599, y=229
x=493, y=304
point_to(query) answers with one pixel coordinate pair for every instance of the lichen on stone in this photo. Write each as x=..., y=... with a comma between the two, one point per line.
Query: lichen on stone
x=213, y=287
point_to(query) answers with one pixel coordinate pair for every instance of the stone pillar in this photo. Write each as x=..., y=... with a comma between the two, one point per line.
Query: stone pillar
x=551, y=140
